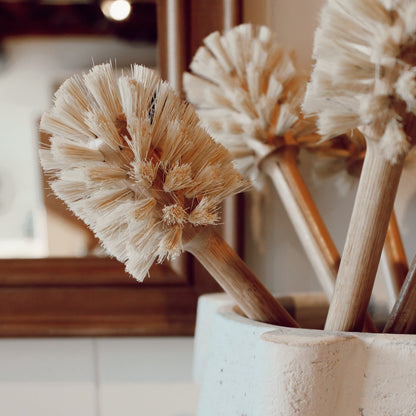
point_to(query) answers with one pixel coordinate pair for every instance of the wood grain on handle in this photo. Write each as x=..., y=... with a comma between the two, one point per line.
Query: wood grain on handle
x=322, y=253
x=395, y=258
x=234, y=276
x=402, y=319
x=366, y=235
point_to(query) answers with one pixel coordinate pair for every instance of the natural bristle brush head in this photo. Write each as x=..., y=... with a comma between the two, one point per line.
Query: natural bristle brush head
x=132, y=160
x=365, y=73
x=365, y=78
x=248, y=93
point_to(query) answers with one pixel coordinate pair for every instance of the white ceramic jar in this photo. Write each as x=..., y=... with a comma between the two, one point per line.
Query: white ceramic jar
x=246, y=368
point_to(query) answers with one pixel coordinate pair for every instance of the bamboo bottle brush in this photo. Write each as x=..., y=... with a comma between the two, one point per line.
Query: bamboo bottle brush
x=248, y=94
x=132, y=161
x=345, y=154
x=365, y=77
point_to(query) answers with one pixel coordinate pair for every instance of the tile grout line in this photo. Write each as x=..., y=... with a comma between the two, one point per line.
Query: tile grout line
x=97, y=383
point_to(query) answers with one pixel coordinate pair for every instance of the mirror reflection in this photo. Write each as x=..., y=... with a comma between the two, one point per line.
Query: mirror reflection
x=39, y=48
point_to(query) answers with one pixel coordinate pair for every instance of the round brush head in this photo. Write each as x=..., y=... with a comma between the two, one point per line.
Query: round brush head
x=132, y=160
x=365, y=74
x=247, y=92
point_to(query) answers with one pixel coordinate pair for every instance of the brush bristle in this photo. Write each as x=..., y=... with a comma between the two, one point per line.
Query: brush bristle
x=365, y=76
x=245, y=86
x=131, y=160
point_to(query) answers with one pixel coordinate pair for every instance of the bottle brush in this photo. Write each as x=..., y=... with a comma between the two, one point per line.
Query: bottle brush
x=365, y=78
x=132, y=161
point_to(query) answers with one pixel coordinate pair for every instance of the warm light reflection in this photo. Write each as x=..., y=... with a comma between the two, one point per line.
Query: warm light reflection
x=116, y=9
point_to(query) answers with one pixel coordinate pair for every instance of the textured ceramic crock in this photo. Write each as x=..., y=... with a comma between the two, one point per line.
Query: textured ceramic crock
x=246, y=368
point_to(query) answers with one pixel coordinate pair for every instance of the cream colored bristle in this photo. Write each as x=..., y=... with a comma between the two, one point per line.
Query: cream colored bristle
x=171, y=244
x=363, y=72
x=274, y=89
x=131, y=159
x=70, y=99
x=177, y=177
x=203, y=93
x=245, y=86
x=141, y=252
x=394, y=142
x=70, y=191
x=145, y=172
x=105, y=129
x=77, y=153
x=205, y=212
x=48, y=161
x=286, y=121
x=376, y=104
x=106, y=174
x=174, y=215
x=105, y=200
x=204, y=64
x=406, y=89
x=213, y=43
x=113, y=234
x=144, y=208
x=198, y=188
x=101, y=83
x=332, y=122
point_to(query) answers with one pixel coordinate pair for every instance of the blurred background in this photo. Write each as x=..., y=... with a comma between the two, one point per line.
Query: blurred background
x=42, y=43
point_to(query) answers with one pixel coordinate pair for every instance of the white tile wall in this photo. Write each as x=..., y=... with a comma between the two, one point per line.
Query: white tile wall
x=48, y=377
x=141, y=360
x=146, y=376
x=97, y=377
x=155, y=399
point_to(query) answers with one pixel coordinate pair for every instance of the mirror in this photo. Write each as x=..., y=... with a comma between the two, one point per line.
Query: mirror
x=75, y=290
x=42, y=44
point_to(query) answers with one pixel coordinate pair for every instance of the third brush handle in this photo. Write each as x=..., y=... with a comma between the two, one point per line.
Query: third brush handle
x=309, y=226
x=366, y=234
x=234, y=276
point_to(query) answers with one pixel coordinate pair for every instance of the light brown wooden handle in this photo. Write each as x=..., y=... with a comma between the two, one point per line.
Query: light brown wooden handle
x=304, y=216
x=234, y=276
x=395, y=258
x=309, y=226
x=402, y=319
x=366, y=235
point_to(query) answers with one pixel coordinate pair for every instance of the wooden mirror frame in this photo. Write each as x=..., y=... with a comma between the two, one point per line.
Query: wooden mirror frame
x=94, y=296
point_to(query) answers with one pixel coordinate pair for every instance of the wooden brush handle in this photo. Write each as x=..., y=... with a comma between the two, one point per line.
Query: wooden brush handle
x=366, y=235
x=395, y=258
x=402, y=319
x=233, y=275
x=282, y=169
